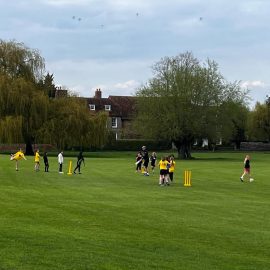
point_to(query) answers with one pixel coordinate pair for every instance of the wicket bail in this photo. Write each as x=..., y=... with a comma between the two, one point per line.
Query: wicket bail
x=187, y=179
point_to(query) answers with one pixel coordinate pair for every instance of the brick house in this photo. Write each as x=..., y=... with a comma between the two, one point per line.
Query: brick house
x=60, y=93
x=120, y=111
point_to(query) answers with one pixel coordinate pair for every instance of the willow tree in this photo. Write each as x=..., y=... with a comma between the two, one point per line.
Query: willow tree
x=19, y=61
x=183, y=102
x=70, y=124
x=11, y=129
x=23, y=106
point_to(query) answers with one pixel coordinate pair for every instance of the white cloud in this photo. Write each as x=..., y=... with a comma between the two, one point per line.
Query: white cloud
x=113, y=48
x=66, y=2
x=184, y=23
x=127, y=85
x=254, y=7
x=258, y=90
x=252, y=84
x=128, y=4
x=113, y=77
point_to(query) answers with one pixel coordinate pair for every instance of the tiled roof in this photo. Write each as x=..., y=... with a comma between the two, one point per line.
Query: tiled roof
x=121, y=106
x=99, y=102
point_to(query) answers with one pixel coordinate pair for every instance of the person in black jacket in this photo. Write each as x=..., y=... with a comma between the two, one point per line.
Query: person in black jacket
x=80, y=159
x=145, y=160
x=46, y=162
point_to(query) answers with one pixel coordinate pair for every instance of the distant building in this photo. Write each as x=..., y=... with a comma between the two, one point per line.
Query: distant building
x=60, y=93
x=120, y=109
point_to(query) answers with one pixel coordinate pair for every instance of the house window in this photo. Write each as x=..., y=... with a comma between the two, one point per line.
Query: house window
x=107, y=107
x=114, y=122
x=92, y=107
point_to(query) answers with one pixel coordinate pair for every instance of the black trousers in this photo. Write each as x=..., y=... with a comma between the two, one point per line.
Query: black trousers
x=78, y=166
x=46, y=166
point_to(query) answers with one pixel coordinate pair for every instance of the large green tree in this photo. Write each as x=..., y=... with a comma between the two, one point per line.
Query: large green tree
x=70, y=124
x=23, y=106
x=186, y=100
x=19, y=61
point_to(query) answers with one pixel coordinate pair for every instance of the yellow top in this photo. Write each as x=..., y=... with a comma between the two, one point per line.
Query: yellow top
x=19, y=155
x=37, y=157
x=172, y=167
x=163, y=164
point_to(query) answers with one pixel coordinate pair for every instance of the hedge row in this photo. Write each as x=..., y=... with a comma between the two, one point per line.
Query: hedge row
x=136, y=145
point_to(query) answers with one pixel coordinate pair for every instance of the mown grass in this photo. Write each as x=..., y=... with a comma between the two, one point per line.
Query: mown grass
x=110, y=217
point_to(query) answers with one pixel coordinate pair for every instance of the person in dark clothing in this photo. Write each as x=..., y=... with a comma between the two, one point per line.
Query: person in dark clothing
x=145, y=160
x=46, y=162
x=138, y=163
x=153, y=160
x=80, y=159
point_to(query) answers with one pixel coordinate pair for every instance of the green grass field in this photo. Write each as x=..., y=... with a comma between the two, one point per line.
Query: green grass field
x=110, y=217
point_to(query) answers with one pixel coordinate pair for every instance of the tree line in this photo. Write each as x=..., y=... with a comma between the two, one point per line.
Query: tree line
x=185, y=101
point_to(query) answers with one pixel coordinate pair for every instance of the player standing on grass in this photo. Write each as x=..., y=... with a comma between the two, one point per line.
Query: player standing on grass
x=46, y=162
x=167, y=177
x=17, y=156
x=60, y=161
x=172, y=167
x=163, y=171
x=80, y=159
x=153, y=160
x=37, y=161
x=138, y=162
x=246, y=169
x=145, y=160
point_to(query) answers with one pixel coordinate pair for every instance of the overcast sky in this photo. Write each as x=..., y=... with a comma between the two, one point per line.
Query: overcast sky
x=112, y=44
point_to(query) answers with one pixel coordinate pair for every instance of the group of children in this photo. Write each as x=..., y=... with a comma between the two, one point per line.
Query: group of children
x=166, y=166
x=142, y=162
x=20, y=155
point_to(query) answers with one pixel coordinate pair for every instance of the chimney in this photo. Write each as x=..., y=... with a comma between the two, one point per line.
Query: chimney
x=98, y=93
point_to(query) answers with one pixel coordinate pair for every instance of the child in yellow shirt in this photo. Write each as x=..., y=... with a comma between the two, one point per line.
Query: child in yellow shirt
x=172, y=167
x=37, y=161
x=163, y=171
x=17, y=156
